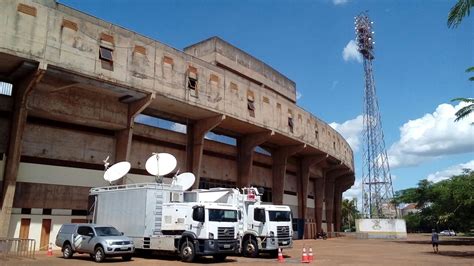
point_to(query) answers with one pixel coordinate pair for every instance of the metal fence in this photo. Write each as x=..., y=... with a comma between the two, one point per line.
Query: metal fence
x=16, y=247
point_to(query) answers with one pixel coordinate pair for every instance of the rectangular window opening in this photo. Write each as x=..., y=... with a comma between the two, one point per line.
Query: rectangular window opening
x=106, y=54
x=290, y=124
x=192, y=83
x=6, y=88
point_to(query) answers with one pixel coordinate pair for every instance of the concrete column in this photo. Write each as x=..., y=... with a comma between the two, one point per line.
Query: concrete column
x=338, y=207
x=245, y=147
x=330, y=192
x=21, y=91
x=329, y=200
x=318, y=208
x=196, y=133
x=123, y=138
x=280, y=157
x=305, y=164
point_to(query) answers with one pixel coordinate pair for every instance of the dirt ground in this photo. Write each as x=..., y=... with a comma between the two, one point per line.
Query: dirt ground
x=416, y=250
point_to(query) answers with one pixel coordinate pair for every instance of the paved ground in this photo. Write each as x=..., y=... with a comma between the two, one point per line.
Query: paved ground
x=416, y=250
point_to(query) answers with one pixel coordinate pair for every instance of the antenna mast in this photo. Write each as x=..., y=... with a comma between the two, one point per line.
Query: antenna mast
x=377, y=190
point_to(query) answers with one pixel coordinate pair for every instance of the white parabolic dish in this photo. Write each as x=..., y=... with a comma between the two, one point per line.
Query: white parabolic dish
x=160, y=164
x=185, y=180
x=117, y=171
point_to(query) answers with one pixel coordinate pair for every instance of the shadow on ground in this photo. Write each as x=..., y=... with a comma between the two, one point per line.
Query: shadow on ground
x=451, y=253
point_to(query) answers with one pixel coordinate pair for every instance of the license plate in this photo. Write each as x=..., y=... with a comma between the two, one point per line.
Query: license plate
x=123, y=249
x=285, y=242
x=227, y=246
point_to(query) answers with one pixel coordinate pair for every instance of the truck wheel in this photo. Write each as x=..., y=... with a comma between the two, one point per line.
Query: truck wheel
x=250, y=248
x=99, y=255
x=187, y=251
x=67, y=251
x=219, y=257
x=127, y=257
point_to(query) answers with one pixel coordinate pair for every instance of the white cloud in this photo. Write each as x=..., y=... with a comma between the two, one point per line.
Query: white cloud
x=351, y=130
x=350, y=52
x=431, y=136
x=178, y=128
x=298, y=95
x=449, y=172
x=339, y=2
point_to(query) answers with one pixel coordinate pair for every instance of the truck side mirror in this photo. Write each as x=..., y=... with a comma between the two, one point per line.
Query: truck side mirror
x=198, y=214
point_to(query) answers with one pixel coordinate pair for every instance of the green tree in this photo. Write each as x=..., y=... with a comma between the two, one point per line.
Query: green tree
x=349, y=213
x=460, y=10
x=446, y=204
x=457, y=13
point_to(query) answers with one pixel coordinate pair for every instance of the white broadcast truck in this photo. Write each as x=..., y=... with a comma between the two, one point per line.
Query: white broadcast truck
x=262, y=227
x=163, y=217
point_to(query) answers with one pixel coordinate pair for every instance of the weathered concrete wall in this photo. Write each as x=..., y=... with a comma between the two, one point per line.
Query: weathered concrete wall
x=70, y=40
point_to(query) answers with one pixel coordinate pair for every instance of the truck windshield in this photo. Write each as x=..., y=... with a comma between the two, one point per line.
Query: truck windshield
x=279, y=216
x=107, y=231
x=216, y=215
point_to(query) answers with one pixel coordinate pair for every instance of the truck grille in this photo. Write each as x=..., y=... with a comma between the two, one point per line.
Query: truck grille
x=283, y=231
x=121, y=243
x=225, y=233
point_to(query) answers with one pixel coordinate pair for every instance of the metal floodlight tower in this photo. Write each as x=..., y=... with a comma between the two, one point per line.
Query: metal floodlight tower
x=377, y=190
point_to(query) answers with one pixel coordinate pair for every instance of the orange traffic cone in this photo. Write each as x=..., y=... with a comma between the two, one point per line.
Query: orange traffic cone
x=304, y=256
x=280, y=256
x=50, y=250
x=310, y=255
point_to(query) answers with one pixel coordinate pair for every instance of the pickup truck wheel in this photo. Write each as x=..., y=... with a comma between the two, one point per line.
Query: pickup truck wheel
x=187, y=251
x=67, y=251
x=250, y=248
x=99, y=255
x=219, y=257
x=127, y=257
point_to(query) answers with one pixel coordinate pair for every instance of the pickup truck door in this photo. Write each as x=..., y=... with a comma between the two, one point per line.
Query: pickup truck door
x=83, y=239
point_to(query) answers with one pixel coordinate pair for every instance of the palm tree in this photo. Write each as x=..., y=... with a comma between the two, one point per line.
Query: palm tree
x=466, y=110
x=349, y=212
x=458, y=12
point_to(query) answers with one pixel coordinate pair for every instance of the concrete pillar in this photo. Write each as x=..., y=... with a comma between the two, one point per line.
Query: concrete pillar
x=338, y=207
x=246, y=146
x=195, y=145
x=305, y=164
x=280, y=156
x=318, y=208
x=330, y=191
x=22, y=90
x=329, y=201
x=123, y=138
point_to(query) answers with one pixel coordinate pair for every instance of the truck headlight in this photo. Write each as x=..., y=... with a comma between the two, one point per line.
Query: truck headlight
x=211, y=236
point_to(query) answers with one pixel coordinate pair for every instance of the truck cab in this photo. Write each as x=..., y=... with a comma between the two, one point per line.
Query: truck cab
x=266, y=228
x=212, y=229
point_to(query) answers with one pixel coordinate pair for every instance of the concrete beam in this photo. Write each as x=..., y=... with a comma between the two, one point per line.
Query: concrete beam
x=123, y=138
x=329, y=188
x=246, y=146
x=338, y=208
x=23, y=89
x=319, y=199
x=280, y=157
x=196, y=133
x=305, y=164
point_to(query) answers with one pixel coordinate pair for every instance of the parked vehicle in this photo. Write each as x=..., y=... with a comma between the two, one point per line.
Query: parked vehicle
x=165, y=218
x=447, y=233
x=262, y=227
x=100, y=241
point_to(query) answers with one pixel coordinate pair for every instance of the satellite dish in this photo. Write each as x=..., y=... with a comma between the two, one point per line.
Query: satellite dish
x=117, y=171
x=185, y=180
x=160, y=164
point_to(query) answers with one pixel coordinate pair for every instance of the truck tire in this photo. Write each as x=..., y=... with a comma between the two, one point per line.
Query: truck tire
x=67, y=251
x=219, y=257
x=99, y=255
x=187, y=251
x=250, y=248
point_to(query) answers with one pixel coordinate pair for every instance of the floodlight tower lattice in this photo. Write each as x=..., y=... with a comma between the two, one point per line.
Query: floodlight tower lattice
x=377, y=190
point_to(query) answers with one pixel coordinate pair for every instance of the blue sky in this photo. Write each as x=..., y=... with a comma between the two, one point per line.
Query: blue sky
x=419, y=65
